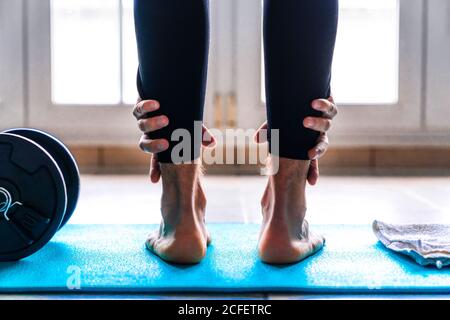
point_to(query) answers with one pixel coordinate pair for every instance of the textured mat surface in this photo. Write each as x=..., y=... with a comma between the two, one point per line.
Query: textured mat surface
x=109, y=258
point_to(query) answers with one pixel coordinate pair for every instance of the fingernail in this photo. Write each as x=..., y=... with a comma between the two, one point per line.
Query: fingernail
x=309, y=123
x=315, y=104
x=153, y=105
x=162, y=122
x=161, y=146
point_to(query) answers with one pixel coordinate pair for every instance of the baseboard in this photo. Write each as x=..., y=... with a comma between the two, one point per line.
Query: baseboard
x=338, y=160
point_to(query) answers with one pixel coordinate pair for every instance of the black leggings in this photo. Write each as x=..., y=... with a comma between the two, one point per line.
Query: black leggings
x=173, y=43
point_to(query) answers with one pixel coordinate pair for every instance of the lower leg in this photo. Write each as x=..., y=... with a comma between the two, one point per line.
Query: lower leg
x=173, y=43
x=173, y=47
x=299, y=39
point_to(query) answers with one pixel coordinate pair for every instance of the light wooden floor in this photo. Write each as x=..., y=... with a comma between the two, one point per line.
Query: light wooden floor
x=349, y=200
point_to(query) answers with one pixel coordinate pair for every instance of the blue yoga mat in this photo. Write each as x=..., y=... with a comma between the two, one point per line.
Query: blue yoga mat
x=110, y=258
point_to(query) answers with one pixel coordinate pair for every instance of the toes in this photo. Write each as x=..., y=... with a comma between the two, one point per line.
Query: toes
x=318, y=244
x=208, y=238
x=150, y=243
x=310, y=246
x=316, y=241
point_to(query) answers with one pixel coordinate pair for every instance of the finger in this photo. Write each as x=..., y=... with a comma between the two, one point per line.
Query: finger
x=155, y=169
x=208, y=141
x=153, y=146
x=326, y=106
x=320, y=149
x=317, y=124
x=334, y=109
x=142, y=108
x=313, y=173
x=153, y=124
x=261, y=134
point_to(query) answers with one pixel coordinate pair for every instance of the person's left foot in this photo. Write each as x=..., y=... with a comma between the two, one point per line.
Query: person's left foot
x=285, y=235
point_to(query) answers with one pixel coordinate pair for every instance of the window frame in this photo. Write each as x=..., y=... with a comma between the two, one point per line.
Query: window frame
x=12, y=81
x=438, y=73
x=96, y=124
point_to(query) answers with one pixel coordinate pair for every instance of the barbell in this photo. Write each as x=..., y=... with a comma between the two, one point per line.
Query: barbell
x=39, y=190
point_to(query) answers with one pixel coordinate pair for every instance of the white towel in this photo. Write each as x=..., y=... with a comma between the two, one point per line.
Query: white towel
x=427, y=244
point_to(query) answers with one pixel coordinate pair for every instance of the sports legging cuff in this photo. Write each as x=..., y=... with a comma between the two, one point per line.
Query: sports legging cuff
x=173, y=45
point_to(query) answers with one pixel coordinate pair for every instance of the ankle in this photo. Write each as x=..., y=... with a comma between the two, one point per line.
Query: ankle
x=285, y=196
x=289, y=169
x=179, y=174
x=291, y=176
x=179, y=181
x=180, y=198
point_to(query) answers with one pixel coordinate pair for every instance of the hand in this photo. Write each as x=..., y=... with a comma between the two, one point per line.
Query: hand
x=321, y=124
x=146, y=124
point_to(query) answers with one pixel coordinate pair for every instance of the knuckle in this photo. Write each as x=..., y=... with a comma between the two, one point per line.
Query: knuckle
x=141, y=125
x=324, y=104
x=140, y=106
x=335, y=111
x=136, y=112
x=142, y=145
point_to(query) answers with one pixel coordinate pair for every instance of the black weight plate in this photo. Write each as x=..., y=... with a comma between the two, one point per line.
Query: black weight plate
x=32, y=177
x=65, y=161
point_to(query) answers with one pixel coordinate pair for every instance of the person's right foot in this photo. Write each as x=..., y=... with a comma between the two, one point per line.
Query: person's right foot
x=182, y=236
x=285, y=236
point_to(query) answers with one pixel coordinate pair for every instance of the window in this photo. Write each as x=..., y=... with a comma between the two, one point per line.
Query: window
x=362, y=73
x=377, y=70
x=94, y=58
x=365, y=69
x=378, y=76
x=82, y=70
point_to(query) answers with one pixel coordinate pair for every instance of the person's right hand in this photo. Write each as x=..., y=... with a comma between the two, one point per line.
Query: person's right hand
x=142, y=110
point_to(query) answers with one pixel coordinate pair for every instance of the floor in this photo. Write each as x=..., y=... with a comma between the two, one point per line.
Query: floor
x=348, y=200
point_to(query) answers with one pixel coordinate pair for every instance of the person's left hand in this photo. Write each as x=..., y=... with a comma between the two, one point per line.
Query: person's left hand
x=321, y=124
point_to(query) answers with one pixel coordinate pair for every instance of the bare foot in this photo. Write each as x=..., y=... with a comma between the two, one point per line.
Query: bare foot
x=285, y=236
x=182, y=236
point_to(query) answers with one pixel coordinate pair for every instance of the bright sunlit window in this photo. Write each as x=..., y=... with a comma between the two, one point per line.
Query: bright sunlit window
x=94, y=58
x=366, y=64
x=365, y=67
